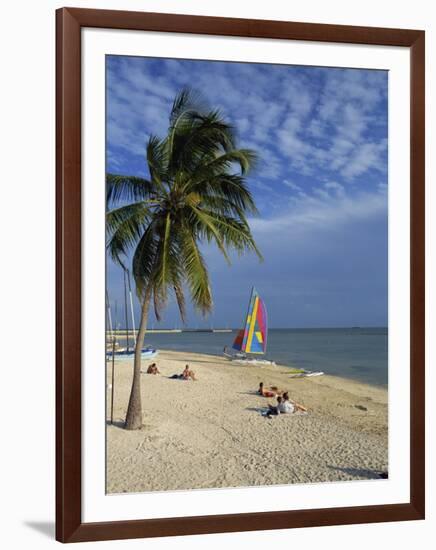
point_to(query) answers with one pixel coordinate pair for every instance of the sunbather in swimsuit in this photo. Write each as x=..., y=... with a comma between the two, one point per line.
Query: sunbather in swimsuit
x=268, y=393
x=152, y=369
x=187, y=374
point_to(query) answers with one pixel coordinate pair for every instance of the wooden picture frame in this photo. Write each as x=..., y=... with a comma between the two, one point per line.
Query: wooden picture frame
x=69, y=526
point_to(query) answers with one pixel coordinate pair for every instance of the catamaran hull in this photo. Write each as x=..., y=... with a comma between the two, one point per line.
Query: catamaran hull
x=305, y=374
x=247, y=360
x=147, y=353
x=255, y=362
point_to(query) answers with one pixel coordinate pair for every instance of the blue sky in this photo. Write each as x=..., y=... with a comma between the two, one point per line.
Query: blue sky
x=320, y=185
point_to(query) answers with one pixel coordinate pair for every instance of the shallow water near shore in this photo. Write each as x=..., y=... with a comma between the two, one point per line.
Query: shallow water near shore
x=356, y=353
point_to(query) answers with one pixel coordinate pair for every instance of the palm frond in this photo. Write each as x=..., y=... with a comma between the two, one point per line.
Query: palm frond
x=124, y=228
x=157, y=162
x=186, y=101
x=199, y=140
x=196, y=273
x=162, y=277
x=128, y=188
x=211, y=231
x=180, y=299
x=144, y=260
x=158, y=303
x=224, y=188
x=235, y=233
x=245, y=158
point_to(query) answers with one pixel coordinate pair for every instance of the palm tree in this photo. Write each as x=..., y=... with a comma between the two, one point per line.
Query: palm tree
x=196, y=193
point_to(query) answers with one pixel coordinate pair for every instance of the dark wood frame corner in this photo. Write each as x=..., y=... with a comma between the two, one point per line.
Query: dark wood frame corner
x=69, y=526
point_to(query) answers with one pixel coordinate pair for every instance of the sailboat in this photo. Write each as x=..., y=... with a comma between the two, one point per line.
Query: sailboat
x=146, y=353
x=126, y=353
x=252, y=339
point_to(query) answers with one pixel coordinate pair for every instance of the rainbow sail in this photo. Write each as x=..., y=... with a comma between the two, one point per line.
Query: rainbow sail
x=252, y=338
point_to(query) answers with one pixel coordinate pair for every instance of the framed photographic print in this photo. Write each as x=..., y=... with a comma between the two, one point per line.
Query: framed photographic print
x=240, y=275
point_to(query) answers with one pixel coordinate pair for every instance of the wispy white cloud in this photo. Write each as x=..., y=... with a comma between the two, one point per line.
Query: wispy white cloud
x=292, y=185
x=339, y=135
x=367, y=155
x=335, y=187
x=326, y=124
x=321, y=210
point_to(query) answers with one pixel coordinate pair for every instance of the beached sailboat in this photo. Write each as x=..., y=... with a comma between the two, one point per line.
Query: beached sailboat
x=146, y=353
x=112, y=348
x=252, y=339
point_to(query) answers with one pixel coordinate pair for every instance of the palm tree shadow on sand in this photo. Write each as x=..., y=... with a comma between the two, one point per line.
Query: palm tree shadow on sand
x=115, y=423
x=361, y=472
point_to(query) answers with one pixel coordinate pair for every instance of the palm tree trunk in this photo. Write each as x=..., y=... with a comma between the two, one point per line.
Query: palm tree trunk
x=134, y=410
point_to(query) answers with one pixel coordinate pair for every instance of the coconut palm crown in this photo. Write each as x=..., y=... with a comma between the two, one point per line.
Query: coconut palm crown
x=196, y=193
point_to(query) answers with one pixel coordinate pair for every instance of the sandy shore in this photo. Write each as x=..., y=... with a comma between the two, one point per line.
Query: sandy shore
x=210, y=433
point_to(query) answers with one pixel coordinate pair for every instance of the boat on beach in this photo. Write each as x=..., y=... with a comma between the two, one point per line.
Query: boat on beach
x=123, y=353
x=302, y=373
x=113, y=349
x=252, y=339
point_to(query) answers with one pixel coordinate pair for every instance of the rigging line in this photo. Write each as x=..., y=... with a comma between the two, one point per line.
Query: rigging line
x=131, y=307
x=109, y=315
x=125, y=309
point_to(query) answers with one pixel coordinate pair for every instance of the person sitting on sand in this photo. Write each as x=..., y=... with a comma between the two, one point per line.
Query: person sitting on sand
x=152, y=369
x=187, y=374
x=288, y=406
x=268, y=393
x=275, y=409
x=285, y=406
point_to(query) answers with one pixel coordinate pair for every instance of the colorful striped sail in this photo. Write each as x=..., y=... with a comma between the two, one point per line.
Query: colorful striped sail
x=252, y=338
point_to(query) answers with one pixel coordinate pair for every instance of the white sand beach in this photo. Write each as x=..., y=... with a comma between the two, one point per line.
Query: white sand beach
x=210, y=433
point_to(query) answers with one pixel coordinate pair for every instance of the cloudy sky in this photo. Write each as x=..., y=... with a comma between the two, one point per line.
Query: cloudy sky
x=320, y=186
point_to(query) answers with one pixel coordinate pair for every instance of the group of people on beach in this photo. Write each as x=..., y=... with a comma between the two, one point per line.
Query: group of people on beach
x=187, y=373
x=284, y=404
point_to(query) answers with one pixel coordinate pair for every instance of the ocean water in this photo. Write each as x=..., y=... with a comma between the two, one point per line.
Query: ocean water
x=357, y=353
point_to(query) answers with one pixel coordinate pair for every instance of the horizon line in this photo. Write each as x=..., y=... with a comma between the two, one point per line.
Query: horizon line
x=238, y=328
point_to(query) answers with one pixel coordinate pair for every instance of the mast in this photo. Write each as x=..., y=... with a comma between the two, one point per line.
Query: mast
x=241, y=335
x=256, y=327
x=113, y=381
x=125, y=310
x=131, y=308
x=109, y=316
x=247, y=319
x=266, y=325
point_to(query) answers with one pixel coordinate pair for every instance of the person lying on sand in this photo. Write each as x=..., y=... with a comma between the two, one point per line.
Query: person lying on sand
x=187, y=374
x=152, y=369
x=268, y=393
